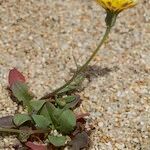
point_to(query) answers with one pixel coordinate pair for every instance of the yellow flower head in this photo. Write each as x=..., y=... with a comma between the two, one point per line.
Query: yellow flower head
x=117, y=6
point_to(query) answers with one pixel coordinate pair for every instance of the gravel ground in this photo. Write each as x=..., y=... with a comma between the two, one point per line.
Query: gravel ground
x=40, y=38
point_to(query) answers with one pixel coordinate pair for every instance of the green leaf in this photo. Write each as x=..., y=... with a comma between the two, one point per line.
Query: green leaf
x=37, y=104
x=41, y=121
x=60, y=102
x=69, y=101
x=57, y=140
x=78, y=80
x=45, y=111
x=19, y=119
x=69, y=88
x=64, y=120
x=24, y=136
x=74, y=103
x=21, y=92
x=73, y=86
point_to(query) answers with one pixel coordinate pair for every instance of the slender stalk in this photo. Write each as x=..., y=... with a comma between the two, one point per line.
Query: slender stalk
x=83, y=67
x=25, y=131
x=10, y=130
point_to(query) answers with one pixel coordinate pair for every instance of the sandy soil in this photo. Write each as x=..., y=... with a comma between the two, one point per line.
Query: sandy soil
x=40, y=38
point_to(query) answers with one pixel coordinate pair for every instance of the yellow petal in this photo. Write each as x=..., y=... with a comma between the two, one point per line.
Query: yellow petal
x=117, y=5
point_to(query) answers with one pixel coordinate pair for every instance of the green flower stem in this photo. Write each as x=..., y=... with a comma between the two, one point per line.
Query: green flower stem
x=111, y=18
x=83, y=67
x=25, y=131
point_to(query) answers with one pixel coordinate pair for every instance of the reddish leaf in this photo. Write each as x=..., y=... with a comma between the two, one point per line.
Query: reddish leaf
x=81, y=120
x=6, y=122
x=81, y=140
x=35, y=146
x=15, y=75
x=80, y=126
